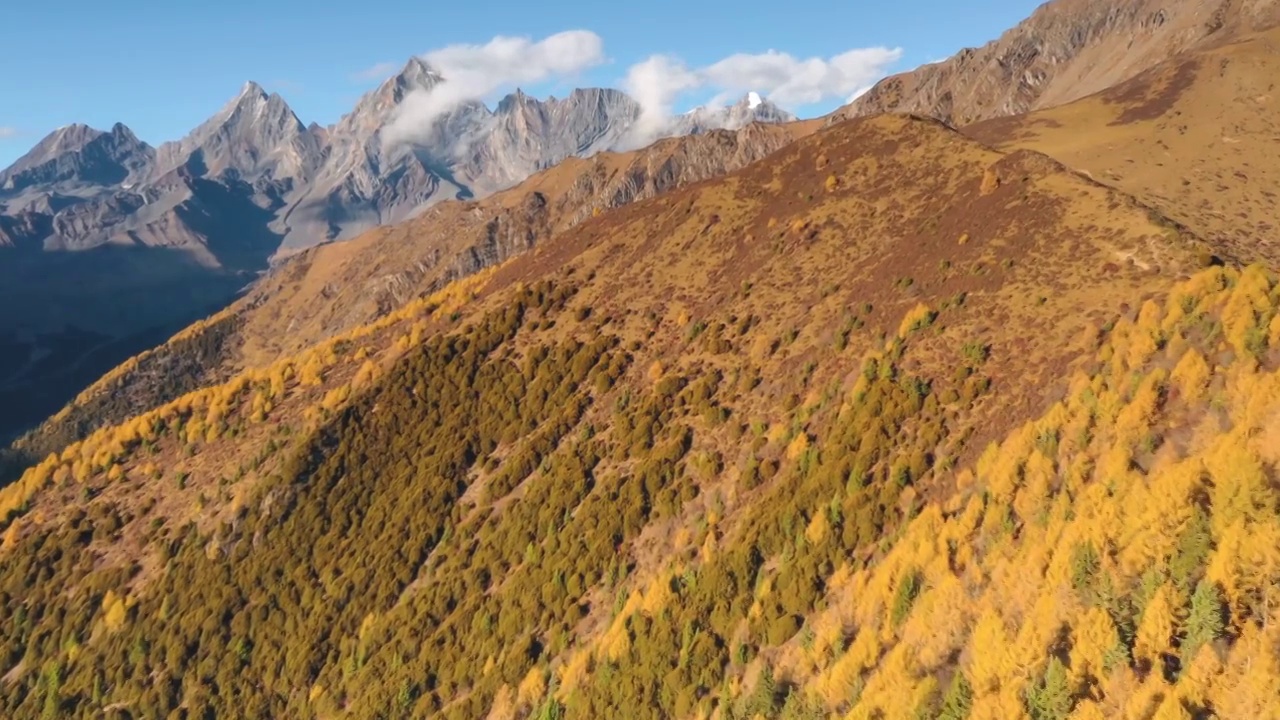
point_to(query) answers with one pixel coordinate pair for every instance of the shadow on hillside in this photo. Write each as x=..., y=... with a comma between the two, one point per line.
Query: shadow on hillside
x=136, y=298
x=237, y=230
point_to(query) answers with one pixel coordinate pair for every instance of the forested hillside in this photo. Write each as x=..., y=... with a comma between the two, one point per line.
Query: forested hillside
x=884, y=421
x=722, y=453
x=336, y=288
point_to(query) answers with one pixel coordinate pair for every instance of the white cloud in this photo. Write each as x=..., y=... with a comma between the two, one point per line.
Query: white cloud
x=476, y=72
x=473, y=72
x=655, y=84
x=790, y=81
x=8, y=132
x=377, y=71
x=782, y=78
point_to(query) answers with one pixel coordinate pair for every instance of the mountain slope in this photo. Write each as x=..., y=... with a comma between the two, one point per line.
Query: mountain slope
x=1195, y=137
x=1114, y=557
x=348, y=285
x=337, y=288
x=614, y=474
x=1066, y=50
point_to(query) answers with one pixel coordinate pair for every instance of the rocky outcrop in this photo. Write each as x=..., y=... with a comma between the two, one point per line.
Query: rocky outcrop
x=603, y=185
x=525, y=135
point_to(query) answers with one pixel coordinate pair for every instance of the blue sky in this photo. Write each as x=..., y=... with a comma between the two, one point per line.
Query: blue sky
x=161, y=67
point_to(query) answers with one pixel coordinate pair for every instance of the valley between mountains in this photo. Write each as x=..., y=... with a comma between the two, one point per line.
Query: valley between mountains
x=963, y=402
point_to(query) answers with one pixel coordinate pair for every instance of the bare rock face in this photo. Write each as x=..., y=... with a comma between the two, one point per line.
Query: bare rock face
x=23, y=229
x=525, y=135
x=1066, y=50
x=363, y=181
x=469, y=151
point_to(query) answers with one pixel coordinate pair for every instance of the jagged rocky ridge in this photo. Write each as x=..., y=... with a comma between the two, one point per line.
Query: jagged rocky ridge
x=82, y=188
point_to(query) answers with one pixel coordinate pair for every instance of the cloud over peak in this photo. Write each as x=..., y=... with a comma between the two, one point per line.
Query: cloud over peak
x=780, y=77
x=790, y=81
x=475, y=72
x=504, y=60
x=656, y=83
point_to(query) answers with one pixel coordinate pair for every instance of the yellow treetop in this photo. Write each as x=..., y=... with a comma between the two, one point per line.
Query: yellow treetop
x=1171, y=709
x=1093, y=637
x=988, y=649
x=1159, y=621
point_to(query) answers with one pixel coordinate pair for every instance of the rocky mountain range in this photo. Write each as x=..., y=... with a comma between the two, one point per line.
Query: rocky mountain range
x=81, y=187
x=107, y=238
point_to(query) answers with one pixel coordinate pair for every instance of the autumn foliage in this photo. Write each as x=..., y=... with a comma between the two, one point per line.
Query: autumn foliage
x=528, y=515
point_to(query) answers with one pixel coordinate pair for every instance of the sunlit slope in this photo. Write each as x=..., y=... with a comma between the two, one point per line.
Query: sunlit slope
x=1197, y=137
x=1117, y=557
x=616, y=475
x=337, y=288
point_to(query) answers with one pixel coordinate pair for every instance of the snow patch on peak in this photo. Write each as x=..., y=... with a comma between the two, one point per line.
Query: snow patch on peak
x=753, y=100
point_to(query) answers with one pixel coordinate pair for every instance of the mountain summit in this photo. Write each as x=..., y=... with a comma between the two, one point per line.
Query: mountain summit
x=375, y=109
x=77, y=156
x=418, y=74
x=254, y=135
